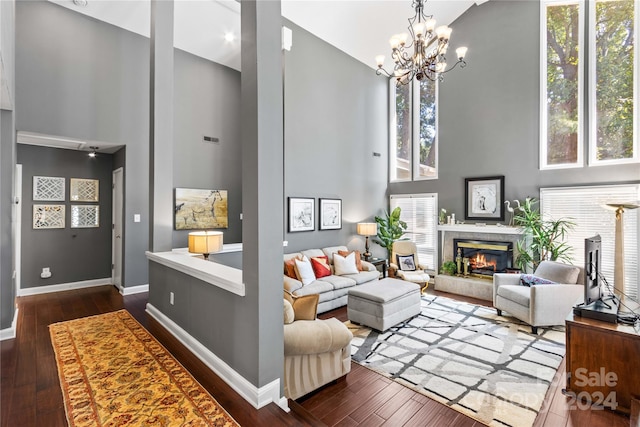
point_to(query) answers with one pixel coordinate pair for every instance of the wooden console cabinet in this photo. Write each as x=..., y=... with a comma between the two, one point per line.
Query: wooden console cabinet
x=595, y=351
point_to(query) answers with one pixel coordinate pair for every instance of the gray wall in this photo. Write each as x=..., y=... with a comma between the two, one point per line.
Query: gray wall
x=92, y=87
x=72, y=254
x=335, y=118
x=489, y=121
x=7, y=164
x=207, y=102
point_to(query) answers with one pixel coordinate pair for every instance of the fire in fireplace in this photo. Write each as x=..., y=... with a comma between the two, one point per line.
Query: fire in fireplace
x=485, y=258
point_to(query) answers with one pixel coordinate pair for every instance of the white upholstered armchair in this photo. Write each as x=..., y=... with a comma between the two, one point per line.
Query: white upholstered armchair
x=403, y=249
x=540, y=304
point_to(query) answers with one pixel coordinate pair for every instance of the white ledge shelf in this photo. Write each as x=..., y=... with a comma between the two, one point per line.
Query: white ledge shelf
x=475, y=228
x=222, y=276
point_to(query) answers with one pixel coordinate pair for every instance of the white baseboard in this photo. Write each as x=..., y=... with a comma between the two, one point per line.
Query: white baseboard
x=63, y=287
x=130, y=290
x=258, y=397
x=10, y=333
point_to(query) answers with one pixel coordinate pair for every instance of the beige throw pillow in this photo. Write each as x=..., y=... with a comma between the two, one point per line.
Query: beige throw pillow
x=289, y=314
x=305, y=307
x=304, y=271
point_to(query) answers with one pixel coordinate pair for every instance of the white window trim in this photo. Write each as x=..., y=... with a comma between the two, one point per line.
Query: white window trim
x=543, y=87
x=593, y=160
x=415, y=134
x=435, y=219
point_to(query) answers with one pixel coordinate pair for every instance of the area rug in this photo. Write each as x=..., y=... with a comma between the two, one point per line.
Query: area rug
x=114, y=373
x=488, y=367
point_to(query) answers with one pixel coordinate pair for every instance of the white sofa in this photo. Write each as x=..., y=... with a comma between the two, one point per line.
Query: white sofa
x=332, y=289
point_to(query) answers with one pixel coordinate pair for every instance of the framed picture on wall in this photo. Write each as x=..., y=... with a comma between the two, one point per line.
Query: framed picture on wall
x=330, y=214
x=48, y=216
x=48, y=188
x=484, y=198
x=84, y=190
x=85, y=216
x=301, y=214
x=197, y=209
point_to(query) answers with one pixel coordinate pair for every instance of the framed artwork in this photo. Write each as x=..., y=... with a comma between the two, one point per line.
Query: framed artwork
x=484, y=198
x=330, y=214
x=85, y=216
x=197, y=209
x=301, y=214
x=48, y=216
x=48, y=188
x=84, y=190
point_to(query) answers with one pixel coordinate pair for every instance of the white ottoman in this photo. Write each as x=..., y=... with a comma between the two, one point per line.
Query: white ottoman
x=384, y=303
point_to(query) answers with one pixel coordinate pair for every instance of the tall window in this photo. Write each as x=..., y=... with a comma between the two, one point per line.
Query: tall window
x=413, y=139
x=611, y=85
x=419, y=211
x=586, y=206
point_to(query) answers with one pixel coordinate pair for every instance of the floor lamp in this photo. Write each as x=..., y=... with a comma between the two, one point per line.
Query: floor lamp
x=618, y=274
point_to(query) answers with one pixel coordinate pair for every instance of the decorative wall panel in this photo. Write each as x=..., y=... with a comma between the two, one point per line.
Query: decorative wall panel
x=84, y=190
x=85, y=216
x=48, y=216
x=48, y=188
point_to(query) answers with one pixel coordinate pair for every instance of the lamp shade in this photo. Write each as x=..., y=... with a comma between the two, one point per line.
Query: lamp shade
x=205, y=242
x=367, y=228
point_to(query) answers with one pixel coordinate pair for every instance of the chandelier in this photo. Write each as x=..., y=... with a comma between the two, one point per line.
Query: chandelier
x=429, y=44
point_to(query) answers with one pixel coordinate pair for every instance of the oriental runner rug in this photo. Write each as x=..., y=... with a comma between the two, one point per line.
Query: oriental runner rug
x=113, y=372
x=488, y=367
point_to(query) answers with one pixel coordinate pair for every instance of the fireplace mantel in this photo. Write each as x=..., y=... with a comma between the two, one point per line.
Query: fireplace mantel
x=474, y=228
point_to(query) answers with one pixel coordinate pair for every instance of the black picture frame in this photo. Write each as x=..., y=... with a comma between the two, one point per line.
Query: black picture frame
x=484, y=198
x=301, y=214
x=330, y=214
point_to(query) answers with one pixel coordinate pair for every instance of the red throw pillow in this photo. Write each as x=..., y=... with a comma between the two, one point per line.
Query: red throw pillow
x=320, y=265
x=357, y=256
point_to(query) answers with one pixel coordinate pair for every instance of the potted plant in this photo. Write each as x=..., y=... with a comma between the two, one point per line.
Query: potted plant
x=390, y=229
x=543, y=239
x=449, y=268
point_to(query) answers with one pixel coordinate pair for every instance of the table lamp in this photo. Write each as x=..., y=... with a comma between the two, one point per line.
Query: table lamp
x=367, y=229
x=205, y=242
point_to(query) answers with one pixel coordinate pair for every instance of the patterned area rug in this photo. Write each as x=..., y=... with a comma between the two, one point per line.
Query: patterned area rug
x=488, y=367
x=113, y=372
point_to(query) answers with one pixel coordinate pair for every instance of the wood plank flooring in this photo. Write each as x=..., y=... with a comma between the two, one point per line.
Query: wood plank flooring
x=30, y=393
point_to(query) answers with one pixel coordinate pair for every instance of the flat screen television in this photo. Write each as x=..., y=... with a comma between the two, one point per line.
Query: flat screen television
x=592, y=261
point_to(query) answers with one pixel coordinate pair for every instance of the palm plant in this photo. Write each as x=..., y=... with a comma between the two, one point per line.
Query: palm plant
x=543, y=239
x=390, y=229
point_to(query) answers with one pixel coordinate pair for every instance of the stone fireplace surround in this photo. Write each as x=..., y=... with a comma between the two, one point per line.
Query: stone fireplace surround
x=471, y=286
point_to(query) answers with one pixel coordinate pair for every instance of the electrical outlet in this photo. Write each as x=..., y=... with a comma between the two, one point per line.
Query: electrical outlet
x=46, y=273
x=171, y=299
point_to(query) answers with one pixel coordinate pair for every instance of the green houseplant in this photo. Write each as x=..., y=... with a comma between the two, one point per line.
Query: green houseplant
x=390, y=229
x=543, y=239
x=449, y=268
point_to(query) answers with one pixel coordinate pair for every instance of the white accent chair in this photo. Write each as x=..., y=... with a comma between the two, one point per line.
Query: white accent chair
x=540, y=305
x=404, y=248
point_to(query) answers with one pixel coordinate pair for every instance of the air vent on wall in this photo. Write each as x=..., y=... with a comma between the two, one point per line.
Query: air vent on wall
x=211, y=139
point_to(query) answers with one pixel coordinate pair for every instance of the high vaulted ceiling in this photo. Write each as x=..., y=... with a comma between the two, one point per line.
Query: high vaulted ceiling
x=360, y=28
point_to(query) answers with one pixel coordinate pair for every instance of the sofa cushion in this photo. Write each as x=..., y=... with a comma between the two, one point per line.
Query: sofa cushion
x=310, y=253
x=363, y=276
x=530, y=279
x=341, y=282
x=516, y=293
x=317, y=287
x=345, y=264
x=321, y=266
x=291, y=285
x=304, y=271
x=558, y=272
x=332, y=250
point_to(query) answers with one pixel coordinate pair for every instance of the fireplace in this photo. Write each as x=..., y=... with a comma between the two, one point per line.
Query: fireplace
x=485, y=257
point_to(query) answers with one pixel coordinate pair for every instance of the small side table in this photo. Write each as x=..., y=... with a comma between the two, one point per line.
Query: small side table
x=379, y=263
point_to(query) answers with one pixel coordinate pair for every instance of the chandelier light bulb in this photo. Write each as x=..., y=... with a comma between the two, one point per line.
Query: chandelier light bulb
x=380, y=60
x=440, y=67
x=441, y=32
x=430, y=25
x=418, y=29
x=461, y=52
x=394, y=42
x=403, y=38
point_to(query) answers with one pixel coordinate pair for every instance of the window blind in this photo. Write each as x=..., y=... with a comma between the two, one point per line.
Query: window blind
x=419, y=211
x=586, y=206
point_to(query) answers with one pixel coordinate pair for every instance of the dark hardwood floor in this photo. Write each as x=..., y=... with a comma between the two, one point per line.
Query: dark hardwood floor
x=30, y=393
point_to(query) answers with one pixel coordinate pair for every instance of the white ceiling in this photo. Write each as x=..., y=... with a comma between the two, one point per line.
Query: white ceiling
x=360, y=28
